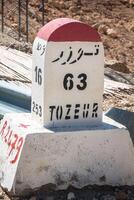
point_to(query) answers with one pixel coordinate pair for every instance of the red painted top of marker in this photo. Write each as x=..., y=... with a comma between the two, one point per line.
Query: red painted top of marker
x=65, y=29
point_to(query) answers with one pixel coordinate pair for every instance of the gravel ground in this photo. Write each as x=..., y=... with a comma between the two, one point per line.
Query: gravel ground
x=87, y=193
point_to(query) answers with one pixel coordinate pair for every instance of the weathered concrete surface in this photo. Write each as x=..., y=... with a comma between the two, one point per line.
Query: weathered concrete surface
x=32, y=156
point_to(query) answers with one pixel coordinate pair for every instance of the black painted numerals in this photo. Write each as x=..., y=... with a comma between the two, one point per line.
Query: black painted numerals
x=68, y=82
x=37, y=109
x=38, y=75
x=83, y=83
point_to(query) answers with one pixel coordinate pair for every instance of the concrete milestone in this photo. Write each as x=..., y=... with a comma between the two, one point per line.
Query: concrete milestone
x=68, y=69
x=65, y=140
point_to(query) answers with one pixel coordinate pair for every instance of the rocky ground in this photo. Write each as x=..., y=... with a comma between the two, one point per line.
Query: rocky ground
x=87, y=193
x=114, y=20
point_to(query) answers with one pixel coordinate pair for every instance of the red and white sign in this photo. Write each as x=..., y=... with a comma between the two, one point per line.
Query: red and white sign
x=68, y=68
x=12, y=138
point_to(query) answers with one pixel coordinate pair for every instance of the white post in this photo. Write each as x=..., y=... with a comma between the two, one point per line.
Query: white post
x=67, y=87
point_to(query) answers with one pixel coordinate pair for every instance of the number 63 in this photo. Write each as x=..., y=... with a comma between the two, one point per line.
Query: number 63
x=68, y=82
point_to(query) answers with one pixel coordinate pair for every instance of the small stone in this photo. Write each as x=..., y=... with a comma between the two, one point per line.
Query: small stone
x=78, y=2
x=102, y=29
x=112, y=33
x=130, y=195
x=14, y=25
x=117, y=66
x=97, y=25
x=73, y=9
x=107, y=197
x=50, y=198
x=121, y=195
x=32, y=198
x=71, y=196
x=129, y=44
x=1, y=195
x=131, y=28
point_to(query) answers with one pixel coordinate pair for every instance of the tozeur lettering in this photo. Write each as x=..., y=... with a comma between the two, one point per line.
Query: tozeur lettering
x=76, y=111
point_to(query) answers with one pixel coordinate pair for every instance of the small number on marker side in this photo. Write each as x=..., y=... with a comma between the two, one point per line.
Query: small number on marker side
x=38, y=75
x=37, y=109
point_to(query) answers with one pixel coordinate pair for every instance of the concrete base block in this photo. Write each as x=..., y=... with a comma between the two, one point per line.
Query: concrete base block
x=32, y=156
